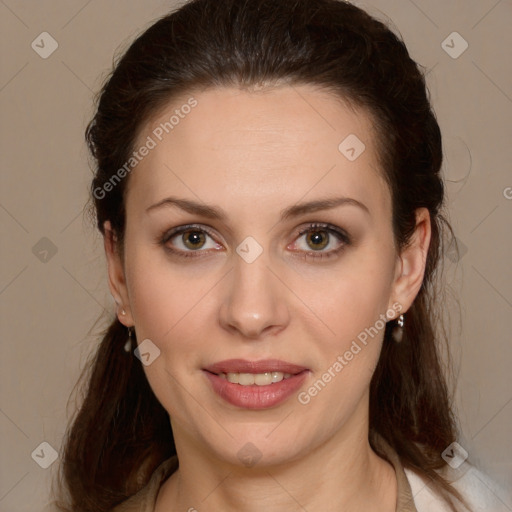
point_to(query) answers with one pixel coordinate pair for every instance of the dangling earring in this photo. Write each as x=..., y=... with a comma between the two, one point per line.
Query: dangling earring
x=128, y=344
x=398, y=330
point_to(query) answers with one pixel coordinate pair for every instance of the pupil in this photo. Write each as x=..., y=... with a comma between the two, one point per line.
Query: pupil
x=318, y=238
x=194, y=239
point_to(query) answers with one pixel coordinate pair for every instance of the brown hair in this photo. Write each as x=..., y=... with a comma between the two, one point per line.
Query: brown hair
x=121, y=433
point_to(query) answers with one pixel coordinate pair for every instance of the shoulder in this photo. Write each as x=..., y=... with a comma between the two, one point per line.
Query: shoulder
x=144, y=500
x=481, y=493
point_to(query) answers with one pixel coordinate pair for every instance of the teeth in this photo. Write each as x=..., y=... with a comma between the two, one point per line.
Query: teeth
x=232, y=377
x=260, y=379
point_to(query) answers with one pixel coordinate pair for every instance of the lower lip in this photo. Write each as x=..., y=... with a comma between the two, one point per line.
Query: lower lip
x=256, y=397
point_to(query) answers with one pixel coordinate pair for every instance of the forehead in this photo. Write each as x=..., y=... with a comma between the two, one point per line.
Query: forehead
x=274, y=144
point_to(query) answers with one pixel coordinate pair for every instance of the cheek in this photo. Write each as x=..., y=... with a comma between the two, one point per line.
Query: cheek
x=354, y=309
x=176, y=310
x=348, y=299
x=167, y=305
x=162, y=294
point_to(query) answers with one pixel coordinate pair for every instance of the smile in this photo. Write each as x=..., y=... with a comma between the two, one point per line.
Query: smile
x=259, y=379
x=255, y=384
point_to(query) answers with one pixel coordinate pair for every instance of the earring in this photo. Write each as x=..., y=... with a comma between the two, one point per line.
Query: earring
x=123, y=312
x=398, y=330
x=128, y=344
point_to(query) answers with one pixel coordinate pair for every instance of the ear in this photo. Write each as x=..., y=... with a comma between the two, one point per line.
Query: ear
x=116, y=276
x=411, y=263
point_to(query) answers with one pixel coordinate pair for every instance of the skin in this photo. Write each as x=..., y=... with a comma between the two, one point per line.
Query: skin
x=254, y=154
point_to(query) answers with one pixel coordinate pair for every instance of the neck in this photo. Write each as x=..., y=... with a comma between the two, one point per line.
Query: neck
x=342, y=474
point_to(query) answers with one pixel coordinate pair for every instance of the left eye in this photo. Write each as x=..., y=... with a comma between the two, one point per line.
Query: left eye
x=319, y=238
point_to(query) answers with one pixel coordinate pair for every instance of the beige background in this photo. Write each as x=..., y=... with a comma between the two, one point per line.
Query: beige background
x=49, y=307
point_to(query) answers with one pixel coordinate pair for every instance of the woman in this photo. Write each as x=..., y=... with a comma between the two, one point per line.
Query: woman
x=268, y=187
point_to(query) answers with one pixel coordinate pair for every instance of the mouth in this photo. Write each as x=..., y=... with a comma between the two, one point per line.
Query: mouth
x=255, y=384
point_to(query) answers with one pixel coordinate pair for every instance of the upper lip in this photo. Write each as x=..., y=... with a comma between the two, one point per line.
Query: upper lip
x=262, y=366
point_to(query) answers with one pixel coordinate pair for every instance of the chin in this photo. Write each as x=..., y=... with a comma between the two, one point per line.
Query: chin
x=261, y=447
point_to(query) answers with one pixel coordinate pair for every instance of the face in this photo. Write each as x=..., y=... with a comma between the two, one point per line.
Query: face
x=257, y=246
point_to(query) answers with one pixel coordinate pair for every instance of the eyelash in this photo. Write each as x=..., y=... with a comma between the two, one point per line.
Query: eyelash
x=330, y=229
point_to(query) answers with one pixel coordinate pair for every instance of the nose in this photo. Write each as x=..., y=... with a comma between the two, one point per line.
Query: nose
x=254, y=305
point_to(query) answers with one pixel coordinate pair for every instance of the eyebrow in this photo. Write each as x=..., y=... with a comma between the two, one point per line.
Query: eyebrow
x=213, y=212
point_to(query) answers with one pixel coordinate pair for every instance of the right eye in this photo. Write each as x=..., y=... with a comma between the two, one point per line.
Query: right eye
x=186, y=240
